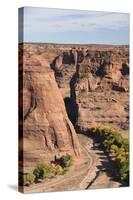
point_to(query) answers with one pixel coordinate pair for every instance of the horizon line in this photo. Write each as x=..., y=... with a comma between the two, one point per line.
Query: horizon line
x=74, y=43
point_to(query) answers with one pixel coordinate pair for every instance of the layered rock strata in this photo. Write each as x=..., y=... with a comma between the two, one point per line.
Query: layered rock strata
x=99, y=87
x=47, y=129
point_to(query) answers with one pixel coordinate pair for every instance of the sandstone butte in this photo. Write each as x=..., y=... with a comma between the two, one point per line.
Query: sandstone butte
x=47, y=130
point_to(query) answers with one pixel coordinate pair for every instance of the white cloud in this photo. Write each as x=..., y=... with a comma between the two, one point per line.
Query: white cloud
x=59, y=20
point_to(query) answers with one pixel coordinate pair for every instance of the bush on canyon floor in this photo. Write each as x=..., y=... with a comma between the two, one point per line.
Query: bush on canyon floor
x=59, y=170
x=124, y=169
x=44, y=171
x=26, y=179
x=115, y=145
x=38, y=172
x=66, y=161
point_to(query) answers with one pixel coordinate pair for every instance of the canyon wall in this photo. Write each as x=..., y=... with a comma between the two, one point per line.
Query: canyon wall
x=47, y=130
x=99, y=86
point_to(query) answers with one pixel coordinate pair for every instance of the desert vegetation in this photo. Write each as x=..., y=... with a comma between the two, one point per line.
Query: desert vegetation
x=116, y=147
x=26, y=179
x=46, y=171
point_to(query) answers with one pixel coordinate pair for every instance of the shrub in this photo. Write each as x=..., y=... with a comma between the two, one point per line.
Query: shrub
x=26, y=179
x=66, y=161
x=124, y=170
x=113, y=149
x=44, y=171
x=125, y=144
x=123, y=164
x=49, y=171
x=59, y=170
x=38, y=172
x=113, y=142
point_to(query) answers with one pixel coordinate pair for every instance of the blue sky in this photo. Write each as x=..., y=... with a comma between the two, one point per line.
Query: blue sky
x=75, y=26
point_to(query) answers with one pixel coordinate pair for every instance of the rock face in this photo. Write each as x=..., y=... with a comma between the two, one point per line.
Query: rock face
x=47, y=129
x=99, y=86
x=102, y=96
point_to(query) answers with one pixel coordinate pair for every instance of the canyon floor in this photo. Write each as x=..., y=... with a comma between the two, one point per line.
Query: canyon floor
x=93, y=172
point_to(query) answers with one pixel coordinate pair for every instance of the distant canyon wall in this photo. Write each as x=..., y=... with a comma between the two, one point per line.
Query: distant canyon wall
x=100, y=87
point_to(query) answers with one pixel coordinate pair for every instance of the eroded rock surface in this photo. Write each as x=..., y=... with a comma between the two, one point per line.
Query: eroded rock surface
x=99, y=86
x=47, y=130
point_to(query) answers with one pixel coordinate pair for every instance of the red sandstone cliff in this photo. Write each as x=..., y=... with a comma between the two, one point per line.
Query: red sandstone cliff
x=47, y=131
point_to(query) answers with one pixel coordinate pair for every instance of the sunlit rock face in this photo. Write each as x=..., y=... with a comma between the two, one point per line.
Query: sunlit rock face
x=47, y=130
x=100, y=86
